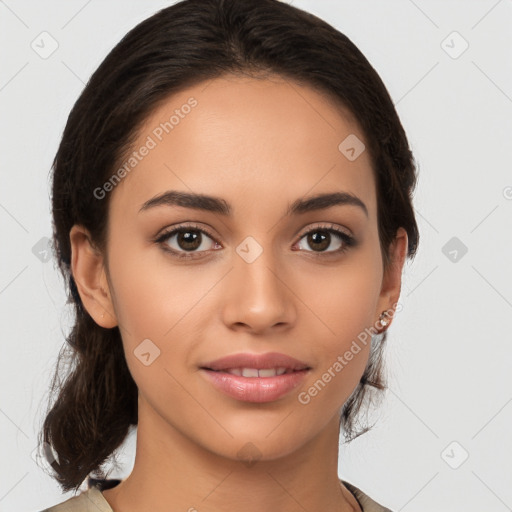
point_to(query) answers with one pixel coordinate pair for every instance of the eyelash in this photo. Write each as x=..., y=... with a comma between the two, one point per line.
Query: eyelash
x=348, y=241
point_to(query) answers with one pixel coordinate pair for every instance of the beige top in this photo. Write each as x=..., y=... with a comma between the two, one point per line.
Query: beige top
x=92, y=500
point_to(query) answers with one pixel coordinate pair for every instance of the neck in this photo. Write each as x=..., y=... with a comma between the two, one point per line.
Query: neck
x=173, y=473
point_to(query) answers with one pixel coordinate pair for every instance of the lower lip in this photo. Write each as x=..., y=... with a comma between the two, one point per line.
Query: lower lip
x=255, y=389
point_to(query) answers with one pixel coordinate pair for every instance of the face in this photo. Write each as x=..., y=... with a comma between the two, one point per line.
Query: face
x=249, y=274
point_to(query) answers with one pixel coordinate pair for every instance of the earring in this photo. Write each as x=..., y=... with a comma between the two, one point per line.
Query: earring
x=383, y=320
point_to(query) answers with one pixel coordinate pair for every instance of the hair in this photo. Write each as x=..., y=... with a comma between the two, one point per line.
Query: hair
x=182, y=45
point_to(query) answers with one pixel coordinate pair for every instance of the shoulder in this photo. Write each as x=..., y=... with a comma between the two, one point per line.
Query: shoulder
x=90, y=500
x=367, y=504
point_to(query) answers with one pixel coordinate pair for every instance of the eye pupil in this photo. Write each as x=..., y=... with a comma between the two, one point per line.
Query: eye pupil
x=320, y=239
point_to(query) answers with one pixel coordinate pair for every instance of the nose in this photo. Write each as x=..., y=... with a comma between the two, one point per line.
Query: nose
x=257, y=297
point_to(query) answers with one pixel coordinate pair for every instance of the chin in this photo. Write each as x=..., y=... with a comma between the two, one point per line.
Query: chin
x=261, y=446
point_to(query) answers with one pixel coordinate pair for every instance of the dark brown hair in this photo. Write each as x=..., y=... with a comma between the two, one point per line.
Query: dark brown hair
x=94, y=406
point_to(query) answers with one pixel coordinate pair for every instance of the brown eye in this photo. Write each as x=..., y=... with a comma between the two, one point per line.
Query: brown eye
x=186, y=241
x=320, y=239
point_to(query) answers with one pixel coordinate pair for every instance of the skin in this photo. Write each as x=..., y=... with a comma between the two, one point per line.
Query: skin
x=259, y=144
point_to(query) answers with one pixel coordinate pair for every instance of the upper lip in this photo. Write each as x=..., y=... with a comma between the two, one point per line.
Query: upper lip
x=259, y=361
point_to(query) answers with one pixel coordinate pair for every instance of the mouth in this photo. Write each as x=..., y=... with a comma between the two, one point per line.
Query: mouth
x=251, y=377
x=258, y=372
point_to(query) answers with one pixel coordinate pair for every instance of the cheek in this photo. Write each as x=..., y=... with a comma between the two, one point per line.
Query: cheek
x=153, y=295
x=343, y=307
x=161, y=302
x=343, y=299
x=343, y=353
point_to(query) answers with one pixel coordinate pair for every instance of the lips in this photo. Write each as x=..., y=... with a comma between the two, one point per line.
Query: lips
x=255, y=377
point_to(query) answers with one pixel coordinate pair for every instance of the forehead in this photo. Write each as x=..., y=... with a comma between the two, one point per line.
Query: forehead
x=259, y=141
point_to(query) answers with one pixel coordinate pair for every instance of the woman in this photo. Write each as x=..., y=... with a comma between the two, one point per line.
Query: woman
x=232, y=203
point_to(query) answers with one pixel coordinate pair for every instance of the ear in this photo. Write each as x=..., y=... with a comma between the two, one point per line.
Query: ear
x=88, y=270
x=392, y=279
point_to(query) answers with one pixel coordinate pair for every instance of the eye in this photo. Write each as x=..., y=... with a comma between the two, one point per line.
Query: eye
x=184, y=241
x=189, y=241
x=320, y=238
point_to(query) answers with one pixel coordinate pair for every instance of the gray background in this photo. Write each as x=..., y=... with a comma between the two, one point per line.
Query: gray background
x=449, y=349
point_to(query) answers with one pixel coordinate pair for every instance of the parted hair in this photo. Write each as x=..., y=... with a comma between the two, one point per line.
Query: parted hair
x=93, y=401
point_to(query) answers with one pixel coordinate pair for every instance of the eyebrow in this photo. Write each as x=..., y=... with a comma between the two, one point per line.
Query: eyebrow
x=219, y=205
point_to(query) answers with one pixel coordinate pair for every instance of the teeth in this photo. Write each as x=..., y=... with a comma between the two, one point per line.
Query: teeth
x=250, y=372
x=254, y=372
x=270, y=372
